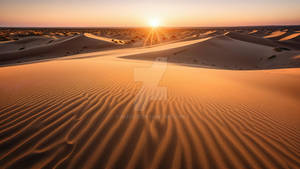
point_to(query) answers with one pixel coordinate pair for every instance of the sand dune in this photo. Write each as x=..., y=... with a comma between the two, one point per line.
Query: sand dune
x=24, y=43
x=87, y=111
x=252, y=39
x=289, y=44
x=104, y=39
x=252, y=32
x=262, y=33
x=289, y=37
x=275, y=34
x=61, y=47
x=209, y=32
x=226, y=53
x=58, y=120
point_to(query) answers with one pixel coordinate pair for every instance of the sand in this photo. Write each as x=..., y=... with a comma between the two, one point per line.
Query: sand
x=226, y=53
x=24, y=43
x=252, y=32
x=86, y=111
x=275, y=34
x=37, y=49
x=292, y=36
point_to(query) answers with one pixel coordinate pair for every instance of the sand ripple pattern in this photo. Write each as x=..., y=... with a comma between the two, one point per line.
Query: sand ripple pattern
x=99, y=128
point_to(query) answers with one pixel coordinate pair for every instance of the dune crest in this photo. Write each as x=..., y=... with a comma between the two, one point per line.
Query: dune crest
x=54, y=48
x=292, y=36
x=215, y=53
x=275, y=34
x=252, y=32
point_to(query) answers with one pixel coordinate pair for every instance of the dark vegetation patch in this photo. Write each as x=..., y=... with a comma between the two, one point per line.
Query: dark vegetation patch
x=280, y=49
x=272, y=57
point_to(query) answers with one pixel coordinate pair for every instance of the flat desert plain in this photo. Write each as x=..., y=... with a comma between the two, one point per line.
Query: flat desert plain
x=182, y=98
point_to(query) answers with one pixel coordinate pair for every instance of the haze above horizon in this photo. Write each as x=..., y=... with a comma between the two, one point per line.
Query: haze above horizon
x=136, y=13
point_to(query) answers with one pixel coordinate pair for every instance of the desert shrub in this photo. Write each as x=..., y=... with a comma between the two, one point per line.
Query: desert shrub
x=280, y=49
x=272, y=57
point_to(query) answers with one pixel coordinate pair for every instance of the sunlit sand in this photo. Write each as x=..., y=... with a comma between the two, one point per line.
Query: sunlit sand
x=150, y=98
x=160, y=84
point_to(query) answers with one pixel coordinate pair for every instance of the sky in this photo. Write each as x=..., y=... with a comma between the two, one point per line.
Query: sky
x=137, y=13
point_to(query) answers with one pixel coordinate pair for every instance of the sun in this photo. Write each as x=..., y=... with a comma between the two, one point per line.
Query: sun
x=154, y=22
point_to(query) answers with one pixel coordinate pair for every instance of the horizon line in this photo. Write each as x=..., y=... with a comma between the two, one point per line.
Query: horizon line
x=93, y=27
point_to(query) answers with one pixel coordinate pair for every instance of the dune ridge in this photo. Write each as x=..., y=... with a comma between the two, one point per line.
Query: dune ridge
x=229, y=51
x=54, y=48
x=289, y=37
x=275, y=34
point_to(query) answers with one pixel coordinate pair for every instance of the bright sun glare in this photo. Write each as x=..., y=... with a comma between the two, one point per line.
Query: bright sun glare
x=154, y=22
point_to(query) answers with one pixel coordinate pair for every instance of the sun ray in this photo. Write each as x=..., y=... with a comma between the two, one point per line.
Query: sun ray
x=154, y=22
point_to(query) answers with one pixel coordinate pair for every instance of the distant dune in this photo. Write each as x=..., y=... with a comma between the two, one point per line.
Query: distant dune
x=276, y=34
x=252, y=32
x=251, y=39
x=41, y=48
x=24, y=43
x=227, y=53
x=291, y=36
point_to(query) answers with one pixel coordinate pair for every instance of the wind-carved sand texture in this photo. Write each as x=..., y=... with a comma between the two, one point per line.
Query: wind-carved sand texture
x=159, y=109
x=150, y=77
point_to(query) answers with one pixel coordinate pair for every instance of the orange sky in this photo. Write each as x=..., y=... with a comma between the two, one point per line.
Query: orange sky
x=138, y=13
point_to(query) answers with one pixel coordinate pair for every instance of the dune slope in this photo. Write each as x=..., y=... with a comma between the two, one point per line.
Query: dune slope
x=24, y=43
x=275, y=34
x=289, y=37
x=62, y=47
x=226, y=53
